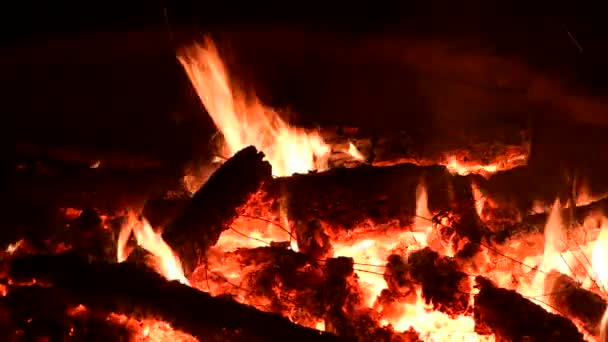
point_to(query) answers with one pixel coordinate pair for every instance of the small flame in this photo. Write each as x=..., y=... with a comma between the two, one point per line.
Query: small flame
x=165, y=261
x=354, y=152
x=245, y=121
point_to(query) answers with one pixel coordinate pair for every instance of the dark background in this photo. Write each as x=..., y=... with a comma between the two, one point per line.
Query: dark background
x=100, y=80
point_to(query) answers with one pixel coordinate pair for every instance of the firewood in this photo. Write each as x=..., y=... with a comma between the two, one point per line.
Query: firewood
x=41, y=311
x=390, y=147
x=347, y=197
x=131, y=289
x=215, y=204
x=105, y=189
x=575, y=302
x=117, y=159
x=511, y=317
x=535, y=223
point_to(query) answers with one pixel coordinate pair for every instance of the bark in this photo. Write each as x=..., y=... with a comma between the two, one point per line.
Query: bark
x=131, y=289
x=215, y=204
x=511, y=317
x=575, y=302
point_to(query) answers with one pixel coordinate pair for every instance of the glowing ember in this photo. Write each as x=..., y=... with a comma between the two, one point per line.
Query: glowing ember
x=164, y=261
x=244, y=121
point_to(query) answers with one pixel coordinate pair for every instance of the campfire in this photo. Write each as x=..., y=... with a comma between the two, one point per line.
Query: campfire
x=327, y=233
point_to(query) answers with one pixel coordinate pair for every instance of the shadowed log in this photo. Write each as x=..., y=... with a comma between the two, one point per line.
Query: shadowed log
x=573, y=301
x=511, y=317
x=133, y=289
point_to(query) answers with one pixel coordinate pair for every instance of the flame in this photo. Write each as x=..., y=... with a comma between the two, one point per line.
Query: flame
x=599, y=258
x=245, y=121
x=354, y=152
x=165, y=261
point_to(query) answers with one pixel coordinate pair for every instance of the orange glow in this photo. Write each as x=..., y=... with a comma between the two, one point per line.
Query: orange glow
x=164, y=260
x=244, y=120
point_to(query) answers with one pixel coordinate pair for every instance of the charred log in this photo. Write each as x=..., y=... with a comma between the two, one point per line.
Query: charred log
x=572, y=301
x=535, y=223
x=130, y=289
x=511, y=149
x=215, y=205
x=347, y=197
x=511, y=317
x=44, y=312
x=310, y=290
x=442, y=284
x=105, y=189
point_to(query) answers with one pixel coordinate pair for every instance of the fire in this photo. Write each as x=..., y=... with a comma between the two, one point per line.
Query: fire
x=164, y=260
x=244, y=120
x=599, y=258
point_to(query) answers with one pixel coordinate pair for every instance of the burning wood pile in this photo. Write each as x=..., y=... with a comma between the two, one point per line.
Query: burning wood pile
x=324, y=235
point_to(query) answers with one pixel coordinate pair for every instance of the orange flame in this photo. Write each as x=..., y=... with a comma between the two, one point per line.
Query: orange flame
x=165, y=261
x=245, y=121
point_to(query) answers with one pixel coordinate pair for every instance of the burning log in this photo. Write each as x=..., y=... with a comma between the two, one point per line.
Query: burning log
x=214, y=206
x=483, y=156
x=535, y=223
x=511, y=317
x=574, y=302
x=130, y=289
x=347, y=197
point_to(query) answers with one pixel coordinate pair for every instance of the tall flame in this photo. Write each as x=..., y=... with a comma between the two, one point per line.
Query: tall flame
x=244, y=120
x=165, y=261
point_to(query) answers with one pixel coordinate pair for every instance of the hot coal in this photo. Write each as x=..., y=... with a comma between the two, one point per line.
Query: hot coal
x=311, y=290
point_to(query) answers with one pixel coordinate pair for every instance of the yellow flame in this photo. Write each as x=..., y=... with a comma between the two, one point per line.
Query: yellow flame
x=599, y=257
x=245, y=121
x=165, y=261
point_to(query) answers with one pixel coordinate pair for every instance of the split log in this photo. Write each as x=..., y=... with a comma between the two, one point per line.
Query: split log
x=133, y=289
x=511, y=317
x=215, y=204
x=573, y=301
